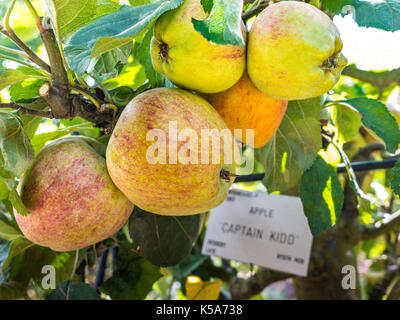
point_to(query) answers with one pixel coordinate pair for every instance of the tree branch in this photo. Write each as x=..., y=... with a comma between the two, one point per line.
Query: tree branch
x=380, y=80
x=381, y=227
x=254, y=11
x=379, y=290
x=242, y=289
x=59, y=76
x=30, y=54
x=39, y=113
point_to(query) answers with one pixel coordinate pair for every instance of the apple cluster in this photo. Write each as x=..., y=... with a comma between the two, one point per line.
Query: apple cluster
x=78, y=193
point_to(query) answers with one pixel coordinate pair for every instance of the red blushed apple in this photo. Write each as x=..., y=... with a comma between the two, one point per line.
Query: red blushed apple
x=72, y=200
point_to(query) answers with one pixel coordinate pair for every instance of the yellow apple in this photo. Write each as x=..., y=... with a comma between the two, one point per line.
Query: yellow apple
x=294, y=51
x=185, y=57
x=162, y=157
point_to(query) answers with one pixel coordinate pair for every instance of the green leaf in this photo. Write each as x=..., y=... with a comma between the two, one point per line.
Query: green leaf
x=26, y=89
x=124, y=23
x=74, y=291
x=122, y=95
x=110, y=64
x=25, y=261
x=132, y=75
x=3, y=189
x=41, y=139
x=294, y=147
x=11, y=76
x=134, y=276
x=142, y=54
x=31, y=123
x=347, y=121
x=17, y=247
x=163, y=240
x=16, y=152
x=17, y=203
x=376, y=117
x=384, y=15
x=67, y=16
x=188, y=265
x=395, y=178
x=336, y=6
x=224, y=25
x=7, y=232
x=321, y=195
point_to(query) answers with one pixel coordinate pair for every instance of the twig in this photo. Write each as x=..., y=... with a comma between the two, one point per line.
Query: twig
x=101, y=270
x=241, y=289
x=379, y=290
x=380, y=80
x=381, y=227
x=254, y=11
x=39, y=113
x=9, y=32
x=86, y=93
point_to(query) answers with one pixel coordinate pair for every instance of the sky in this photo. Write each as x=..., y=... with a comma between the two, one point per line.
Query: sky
x=369, y=48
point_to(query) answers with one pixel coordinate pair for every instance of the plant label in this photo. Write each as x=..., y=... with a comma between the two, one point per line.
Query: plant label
x=266, y=230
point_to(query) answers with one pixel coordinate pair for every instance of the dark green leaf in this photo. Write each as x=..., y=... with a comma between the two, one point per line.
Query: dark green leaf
x=163, y=240
x=294, y=147
x=224, y=24
x=395, y=178
x=376, y=117
x=124, y=23
x=207, y=5
x=321, y=195
x=134, y=276
x=74, y=291
x=187, y=266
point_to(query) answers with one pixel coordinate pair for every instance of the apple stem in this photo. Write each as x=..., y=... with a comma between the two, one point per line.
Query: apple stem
x=226, y=175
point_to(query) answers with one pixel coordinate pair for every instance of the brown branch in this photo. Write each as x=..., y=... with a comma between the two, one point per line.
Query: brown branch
x=242, y=289
x=379, y=290
x=31, y=55
x=380, y=80
x=381, y=227
x=59, y=76
x=39, y=113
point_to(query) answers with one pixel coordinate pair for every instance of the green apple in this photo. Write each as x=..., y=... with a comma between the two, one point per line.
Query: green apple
x=294, y=51
x=189, y=60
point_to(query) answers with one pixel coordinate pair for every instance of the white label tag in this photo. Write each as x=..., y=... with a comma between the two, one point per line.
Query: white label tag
x=266, y=230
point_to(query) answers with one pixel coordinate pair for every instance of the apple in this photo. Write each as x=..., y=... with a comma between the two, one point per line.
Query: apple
x=161, y=156
x=294, y=51
x=189, y=60
x=72, y=200
x=245, y=107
